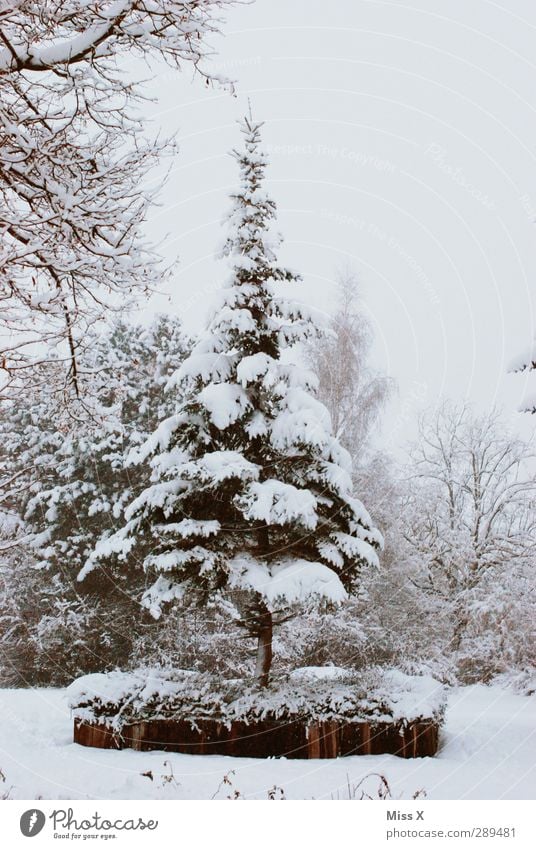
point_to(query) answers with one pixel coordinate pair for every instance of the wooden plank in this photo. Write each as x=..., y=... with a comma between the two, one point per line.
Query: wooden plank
x=313, y=740
x=330, y=739
x=133, y=736
x=365, y=739
x=266, y=738
x=427, y=739
x=350, y=738
x=95, y=735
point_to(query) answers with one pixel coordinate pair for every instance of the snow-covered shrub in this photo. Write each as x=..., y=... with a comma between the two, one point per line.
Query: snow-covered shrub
x=49, y=633
x=523, y=683
x=388, y=695
x=500, y=637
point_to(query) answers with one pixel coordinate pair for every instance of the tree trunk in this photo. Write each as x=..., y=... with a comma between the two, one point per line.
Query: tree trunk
x=458, y=632
x=264, y=647
x=263, y=621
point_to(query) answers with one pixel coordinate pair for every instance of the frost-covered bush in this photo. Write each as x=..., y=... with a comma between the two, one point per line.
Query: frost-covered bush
x=523, y=683
x=500, y=637
x=206, y=640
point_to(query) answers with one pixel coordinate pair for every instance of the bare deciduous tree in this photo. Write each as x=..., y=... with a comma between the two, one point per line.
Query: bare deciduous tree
x=352, y=392
x=471, y=512
x=73, y=164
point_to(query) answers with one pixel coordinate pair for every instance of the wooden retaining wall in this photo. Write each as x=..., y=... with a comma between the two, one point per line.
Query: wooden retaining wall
x=262, y=739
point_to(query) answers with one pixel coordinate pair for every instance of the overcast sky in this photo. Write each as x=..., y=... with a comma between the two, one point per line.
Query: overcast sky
x=402, y=141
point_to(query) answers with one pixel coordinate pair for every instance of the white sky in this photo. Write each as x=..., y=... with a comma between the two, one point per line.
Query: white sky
x=402, y=141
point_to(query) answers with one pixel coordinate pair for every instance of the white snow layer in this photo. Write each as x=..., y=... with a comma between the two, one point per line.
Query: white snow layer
x=251, y=368
x=304, y=420
x=487, y=751
x=225, y=403
x=158, y=441
x=292, y=581
x=278, y=503
x=380, y=694
x=207, y=366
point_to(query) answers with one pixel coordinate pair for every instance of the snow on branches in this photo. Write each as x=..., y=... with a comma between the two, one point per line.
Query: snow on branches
x=73, y=164
x=40, y=36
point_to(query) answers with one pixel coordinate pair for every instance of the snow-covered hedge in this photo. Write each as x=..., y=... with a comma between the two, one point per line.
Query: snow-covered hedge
x=313, y=693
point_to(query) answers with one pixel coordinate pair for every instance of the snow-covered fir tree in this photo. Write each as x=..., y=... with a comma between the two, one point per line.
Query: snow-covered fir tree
x=63, y=484
x=88, y=483
x=251, y=491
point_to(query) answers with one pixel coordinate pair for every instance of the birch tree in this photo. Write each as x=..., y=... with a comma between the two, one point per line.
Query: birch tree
x=352, y=391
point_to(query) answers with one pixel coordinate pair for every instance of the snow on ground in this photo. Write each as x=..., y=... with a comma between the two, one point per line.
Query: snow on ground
x=488, y=751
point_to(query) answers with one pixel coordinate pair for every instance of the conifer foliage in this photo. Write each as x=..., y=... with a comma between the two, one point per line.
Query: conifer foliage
x=250, y=490
x=63, y=482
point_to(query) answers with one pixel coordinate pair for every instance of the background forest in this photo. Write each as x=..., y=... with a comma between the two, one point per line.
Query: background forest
x=455, y=591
